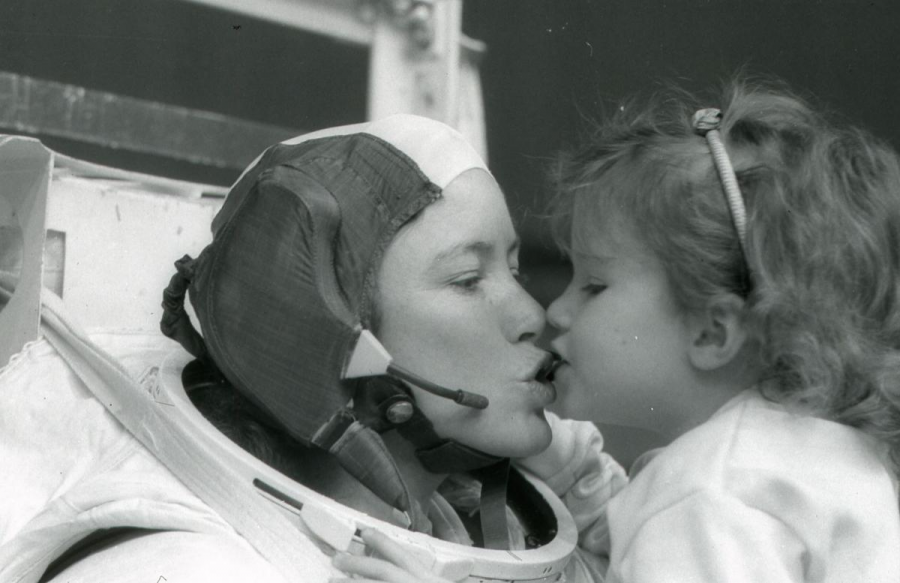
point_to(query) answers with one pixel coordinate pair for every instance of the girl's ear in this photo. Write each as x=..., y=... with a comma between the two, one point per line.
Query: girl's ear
x=719, y=333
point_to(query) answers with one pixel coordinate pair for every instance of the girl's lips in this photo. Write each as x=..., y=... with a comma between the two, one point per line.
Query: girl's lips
x=563, y=369
x=549, y=367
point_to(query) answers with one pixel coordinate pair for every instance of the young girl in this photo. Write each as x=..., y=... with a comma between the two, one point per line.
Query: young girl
x=737, y=290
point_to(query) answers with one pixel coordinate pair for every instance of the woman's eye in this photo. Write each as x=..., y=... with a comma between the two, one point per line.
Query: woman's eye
x=468, y=283
x=593, y=289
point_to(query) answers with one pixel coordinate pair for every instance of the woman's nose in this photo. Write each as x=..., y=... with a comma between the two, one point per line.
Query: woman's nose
x=525, y=315
x=560, y=310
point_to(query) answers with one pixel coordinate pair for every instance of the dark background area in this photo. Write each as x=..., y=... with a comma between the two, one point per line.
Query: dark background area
x=552, y=63
x=549, y=64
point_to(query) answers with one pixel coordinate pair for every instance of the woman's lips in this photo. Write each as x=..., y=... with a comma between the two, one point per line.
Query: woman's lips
x=539, y=381
x=544, y=392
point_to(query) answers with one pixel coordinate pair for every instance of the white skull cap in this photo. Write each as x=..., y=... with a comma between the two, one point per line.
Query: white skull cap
x=440, y=152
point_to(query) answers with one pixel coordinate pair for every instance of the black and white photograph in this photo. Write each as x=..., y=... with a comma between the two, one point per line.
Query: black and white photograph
x=449, y=291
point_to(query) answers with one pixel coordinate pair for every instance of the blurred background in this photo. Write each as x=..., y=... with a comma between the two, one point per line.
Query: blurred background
x=547, y=65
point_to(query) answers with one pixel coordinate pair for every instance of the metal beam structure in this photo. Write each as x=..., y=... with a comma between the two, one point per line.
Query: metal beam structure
x=416, y=55
x=39, y=107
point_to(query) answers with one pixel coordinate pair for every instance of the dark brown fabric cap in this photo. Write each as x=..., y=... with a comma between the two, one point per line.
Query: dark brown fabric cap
x=286, y=285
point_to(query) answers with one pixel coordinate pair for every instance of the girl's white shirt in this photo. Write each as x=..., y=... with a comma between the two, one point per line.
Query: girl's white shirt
x=758, y=493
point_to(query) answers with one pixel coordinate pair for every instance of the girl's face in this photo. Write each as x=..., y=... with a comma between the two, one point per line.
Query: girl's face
x=625, y=339
x=452, y=311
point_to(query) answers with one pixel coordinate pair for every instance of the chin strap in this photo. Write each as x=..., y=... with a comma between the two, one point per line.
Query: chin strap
x=492, y=508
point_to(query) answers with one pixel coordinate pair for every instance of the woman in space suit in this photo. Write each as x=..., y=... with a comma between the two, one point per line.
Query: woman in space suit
x=368, y=352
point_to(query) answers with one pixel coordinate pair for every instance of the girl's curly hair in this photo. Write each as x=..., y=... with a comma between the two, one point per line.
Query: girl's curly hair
x=821, y=274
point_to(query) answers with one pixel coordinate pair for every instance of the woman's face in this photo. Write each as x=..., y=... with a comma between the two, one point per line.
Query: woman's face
x=452, y=311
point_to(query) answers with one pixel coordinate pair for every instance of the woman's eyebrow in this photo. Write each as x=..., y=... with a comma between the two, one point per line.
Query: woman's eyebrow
x=480, y=248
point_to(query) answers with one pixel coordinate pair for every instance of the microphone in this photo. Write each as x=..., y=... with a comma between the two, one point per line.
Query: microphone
x=370, y=358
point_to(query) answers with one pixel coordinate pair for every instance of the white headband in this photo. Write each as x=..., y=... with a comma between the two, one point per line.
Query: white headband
x=706, y=123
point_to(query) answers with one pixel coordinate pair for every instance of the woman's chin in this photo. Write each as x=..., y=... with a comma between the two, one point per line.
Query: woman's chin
x=531, y=438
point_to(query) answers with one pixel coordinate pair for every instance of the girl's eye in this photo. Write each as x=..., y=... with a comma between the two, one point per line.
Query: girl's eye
x=593, y=289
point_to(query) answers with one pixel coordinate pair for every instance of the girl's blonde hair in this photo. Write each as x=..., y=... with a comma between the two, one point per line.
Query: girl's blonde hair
x=821, y=273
